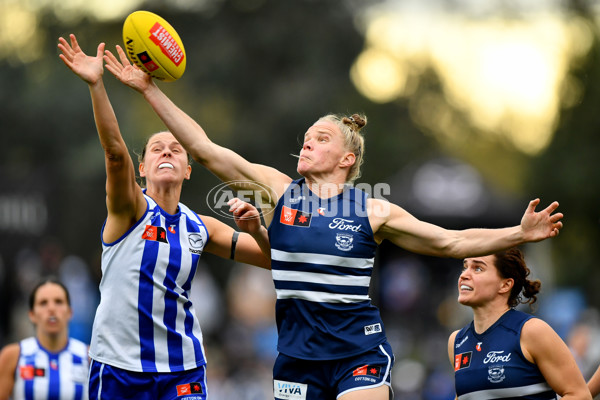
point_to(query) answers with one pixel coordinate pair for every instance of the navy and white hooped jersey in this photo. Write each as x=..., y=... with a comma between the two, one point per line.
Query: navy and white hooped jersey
x=145, y=321
x=43, y=375
x=322, y=255
x=491, y=365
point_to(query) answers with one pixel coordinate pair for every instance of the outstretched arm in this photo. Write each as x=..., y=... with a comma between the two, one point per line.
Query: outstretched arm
x=223, y=243
x=125, y=201
x=224, y=163
x=404, y=230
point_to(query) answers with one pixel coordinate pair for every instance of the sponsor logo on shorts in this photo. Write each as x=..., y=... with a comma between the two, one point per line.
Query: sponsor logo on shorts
x=189, y=388
x=373, y=329
x=289, y=390
x=371, y=370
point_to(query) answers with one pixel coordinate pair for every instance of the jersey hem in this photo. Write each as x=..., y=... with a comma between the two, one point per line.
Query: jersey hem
x=140, y=369
x=342, y=356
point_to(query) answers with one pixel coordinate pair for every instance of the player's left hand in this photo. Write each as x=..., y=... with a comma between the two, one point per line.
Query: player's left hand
x=245, y=215
x=129, y=74
x=537, y=226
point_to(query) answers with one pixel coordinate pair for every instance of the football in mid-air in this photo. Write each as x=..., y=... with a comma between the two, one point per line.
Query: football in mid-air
x=153, y=45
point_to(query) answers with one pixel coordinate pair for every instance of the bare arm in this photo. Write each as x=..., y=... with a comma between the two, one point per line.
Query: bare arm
x=9, y=356
x=124, y=199
x=594, y=383
x=224, y=163
x=401, y=228
x=451, y=348
x=543, y=346
x=247, y=249
x=247, y=219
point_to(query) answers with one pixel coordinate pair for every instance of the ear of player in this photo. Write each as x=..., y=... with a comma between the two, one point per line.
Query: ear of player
x=153, y=45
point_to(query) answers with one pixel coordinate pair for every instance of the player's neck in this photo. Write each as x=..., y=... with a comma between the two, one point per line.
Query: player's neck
x=167, y=199
x=484, y=317
x=53, y=343
x=324, y=189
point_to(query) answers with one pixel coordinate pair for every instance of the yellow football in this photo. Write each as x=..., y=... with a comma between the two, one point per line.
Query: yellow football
x=153, y=45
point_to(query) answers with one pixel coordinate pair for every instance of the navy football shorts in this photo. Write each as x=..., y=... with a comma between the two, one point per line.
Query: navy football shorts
x=108, y=382
x=296, y=379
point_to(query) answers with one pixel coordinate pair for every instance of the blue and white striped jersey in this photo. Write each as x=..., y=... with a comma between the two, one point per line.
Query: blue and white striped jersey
x=322, y=253
x=145, y=321
x=43, y=375
x=491, y=365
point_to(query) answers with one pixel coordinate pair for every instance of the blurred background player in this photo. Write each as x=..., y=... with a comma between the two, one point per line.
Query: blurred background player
x=504, y=352
x=49, y=365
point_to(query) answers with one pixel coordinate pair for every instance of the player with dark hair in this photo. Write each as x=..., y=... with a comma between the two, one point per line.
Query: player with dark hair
x=49, y=365
x=505, y=353
x=146, y=339
x=323, y=235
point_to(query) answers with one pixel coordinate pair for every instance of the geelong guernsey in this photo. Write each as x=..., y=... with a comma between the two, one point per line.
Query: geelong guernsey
x=322, y=255
x=491, y=365
x=145, y=321
x=43, y=375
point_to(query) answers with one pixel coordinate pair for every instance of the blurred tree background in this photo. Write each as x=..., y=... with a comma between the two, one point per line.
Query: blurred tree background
x=474, y=109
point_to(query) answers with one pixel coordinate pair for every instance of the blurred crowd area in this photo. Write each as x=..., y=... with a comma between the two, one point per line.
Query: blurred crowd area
x=417, y=296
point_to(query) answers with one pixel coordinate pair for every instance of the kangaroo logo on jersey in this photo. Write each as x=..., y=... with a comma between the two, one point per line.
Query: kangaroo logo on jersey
x=343, y=241
x=290, y=216
x=462, y=360
x=189, y=388
x=155, y=233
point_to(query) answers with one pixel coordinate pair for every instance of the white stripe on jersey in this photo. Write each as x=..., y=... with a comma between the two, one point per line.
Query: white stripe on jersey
x=139, y=324
x=320, y=297
x=313, y=258
x=314, y=277
x=506, y=392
